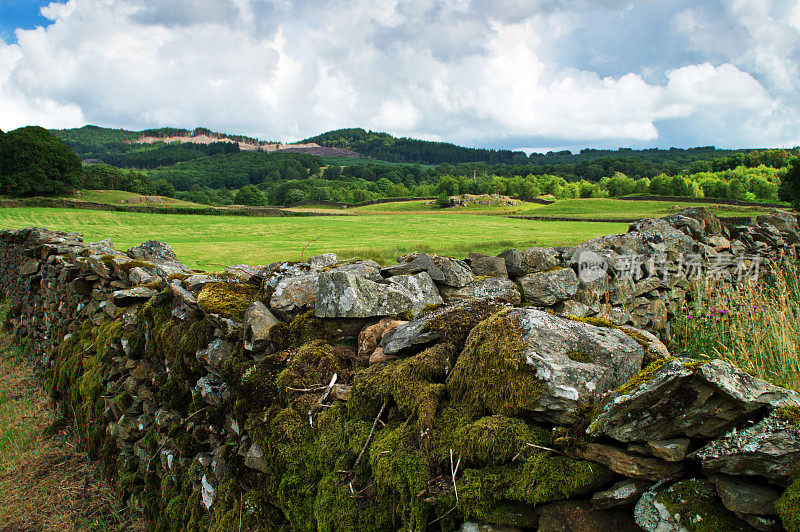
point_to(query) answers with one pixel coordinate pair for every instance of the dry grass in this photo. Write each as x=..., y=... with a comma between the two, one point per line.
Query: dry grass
x=46, y=482
x=755, y=326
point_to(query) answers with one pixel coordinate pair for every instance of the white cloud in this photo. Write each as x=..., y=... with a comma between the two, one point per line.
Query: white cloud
x=470, y=71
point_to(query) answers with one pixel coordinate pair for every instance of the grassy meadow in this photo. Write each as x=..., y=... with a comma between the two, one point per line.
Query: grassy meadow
x=211, y=242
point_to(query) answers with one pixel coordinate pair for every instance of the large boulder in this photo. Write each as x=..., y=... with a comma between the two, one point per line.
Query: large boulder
x=155, y=251
x=681, y=397
x=531, y=363
x=488, y=266
x=784, y=222
x=545, y=289
x=294, y=294
x=488, y=287
x=420, y=289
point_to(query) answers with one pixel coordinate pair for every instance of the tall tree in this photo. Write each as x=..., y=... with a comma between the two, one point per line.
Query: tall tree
x=34, y=161
x=790, y=185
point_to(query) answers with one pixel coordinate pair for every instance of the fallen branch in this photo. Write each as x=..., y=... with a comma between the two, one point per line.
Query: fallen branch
x=322, y=398
x=535, y=447
x=371, y=432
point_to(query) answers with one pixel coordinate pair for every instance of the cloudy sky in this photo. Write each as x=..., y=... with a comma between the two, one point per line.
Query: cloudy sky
x=532, y=74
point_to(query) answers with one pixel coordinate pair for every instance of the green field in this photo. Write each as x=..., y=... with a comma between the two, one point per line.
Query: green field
x=212, y=242
x=571, y=208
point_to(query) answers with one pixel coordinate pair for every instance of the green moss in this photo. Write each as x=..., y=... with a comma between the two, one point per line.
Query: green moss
x=699, y=508
x=790, y=414
x=640, y=338
x=131, y=264
x=157, y=285
x=312, y=365
x=491, y=375
x=788, y=506
x=494, y=440
x=229, y=300
x=579, y=356
x=178, y=275
x=415, y=384
x=646, y=375
x=455, y=325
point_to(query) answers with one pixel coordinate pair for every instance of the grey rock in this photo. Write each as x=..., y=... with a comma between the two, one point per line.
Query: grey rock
x=574, y=363
x=770, y=448
x=744, y=496
x=652, y=315
x=538, y=259
x=489, y=287
x=628, y=464
x=29, y=267
x=545, y=289
x=415, y=334
x=513, y=260
x=680, y=399
x=217, y=352
x=573, y=308
x=623, y=493
x=417, y=263
x=182, y=294
x=342, y=295
x=367, y=269
x=323, y=261
x=670, y=450
x=164, y=418
x=420, y=289
x=242, y=271
x=254, y=459
x=257, y=324
x=456, y=272
x=139, y=276
x=197, y=282
x=784, y=222
x=294, y=294
x=212, y=391
x=125, y=297
x=155, y=251
x=488, y=266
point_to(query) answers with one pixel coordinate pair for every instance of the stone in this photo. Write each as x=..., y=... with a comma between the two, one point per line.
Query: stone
x=155, y=251
x=548, y=288
x=207, y=492
x=628, y=464
x=165, y=418
x=342, y=295
x=684, y=398
x=420, y=289
x=417, y=333
x=654, y=349
x=138, y=276
x=670, y=450
x=368, y=269
x=568, y=362
x=488, y=267
x=652, y=315
x=320, y=262
x=469, y=526
x=132, y=428
x=456, y=272
x=242, y=271
x=419, y=262
x=123, y=298
x=513, y=260
x=573, y=308
x=744, y=496
x=217, y=352
x=719, y=243
x=784, y=222
x=294, y=294
x=254, y=459
x=370, y=337
x=488, y=287
x=257, y=323
x=379, y=356
x=580, y=516
x=538, y=259
x=181, y=294
x=623, y=493
x=685, y=505
x=197, y=282
x=212, y=391
x=769, y=448
x=29, y=267
x=693, y=227
x=711, y=223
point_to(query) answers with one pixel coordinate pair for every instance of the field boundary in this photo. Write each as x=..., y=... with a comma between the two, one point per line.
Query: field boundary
x=727, y=220
x=208, y=211
x=687, y=199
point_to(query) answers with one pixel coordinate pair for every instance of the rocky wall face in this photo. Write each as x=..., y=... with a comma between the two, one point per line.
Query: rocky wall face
x=342, y=395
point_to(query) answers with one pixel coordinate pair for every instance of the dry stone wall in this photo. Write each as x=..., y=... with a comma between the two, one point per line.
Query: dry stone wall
x=528, y=390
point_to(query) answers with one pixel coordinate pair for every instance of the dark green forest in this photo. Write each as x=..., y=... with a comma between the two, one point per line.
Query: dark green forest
x=221, y=174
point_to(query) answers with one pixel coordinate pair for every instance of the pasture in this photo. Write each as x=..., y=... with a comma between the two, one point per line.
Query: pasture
x=212, y=242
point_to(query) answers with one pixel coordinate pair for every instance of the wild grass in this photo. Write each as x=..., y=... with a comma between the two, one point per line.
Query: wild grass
x=46, y=482
x=755, y=326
